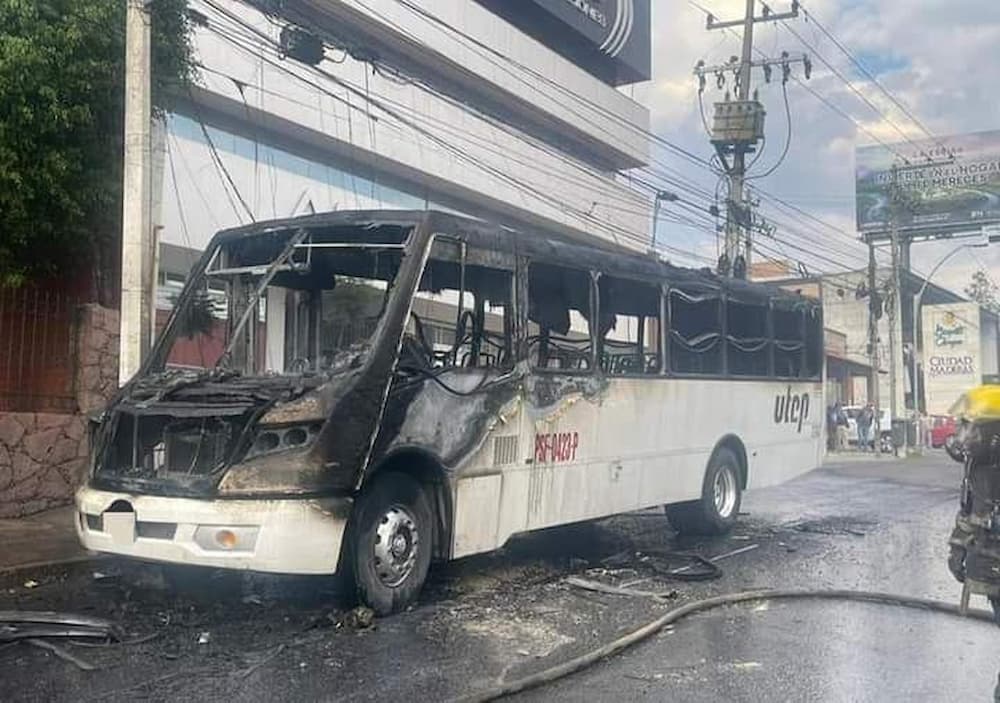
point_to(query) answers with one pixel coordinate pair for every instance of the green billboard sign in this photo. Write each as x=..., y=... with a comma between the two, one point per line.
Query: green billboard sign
x=961, y=187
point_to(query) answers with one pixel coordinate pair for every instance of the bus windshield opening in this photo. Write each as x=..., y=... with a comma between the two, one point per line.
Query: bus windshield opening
x=283, y=303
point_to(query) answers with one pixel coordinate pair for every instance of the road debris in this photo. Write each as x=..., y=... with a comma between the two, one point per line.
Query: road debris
x=599, y=587
x=31, y=583
x=716, y=559
x=34, y=627
x=361, y=618
x=21, y=625
x=205, y=638
x=831, y=526
x=82, y=664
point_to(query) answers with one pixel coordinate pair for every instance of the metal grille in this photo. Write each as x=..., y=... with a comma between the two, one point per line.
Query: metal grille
x=195, y=447
x=37, y=350
x=505, y=450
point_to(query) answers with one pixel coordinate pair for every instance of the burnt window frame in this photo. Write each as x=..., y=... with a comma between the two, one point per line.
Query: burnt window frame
x=768, y=301
x=811, y=337
x=524, y=321
x=660, y=317
x=466, y=254
x=690, y=291
x=767, y=335
x=802, y=309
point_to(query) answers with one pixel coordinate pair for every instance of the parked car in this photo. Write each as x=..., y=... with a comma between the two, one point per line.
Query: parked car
x=885, y=426
x=942, y=428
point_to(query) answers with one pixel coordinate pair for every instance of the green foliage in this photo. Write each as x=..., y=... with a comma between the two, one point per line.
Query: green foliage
x=984, y=291
x=61, y=121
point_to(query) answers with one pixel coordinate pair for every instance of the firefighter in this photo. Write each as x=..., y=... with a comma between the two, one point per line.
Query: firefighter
x=975, y=541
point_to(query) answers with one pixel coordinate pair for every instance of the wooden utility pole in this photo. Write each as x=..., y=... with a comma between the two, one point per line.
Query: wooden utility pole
x=136, y=252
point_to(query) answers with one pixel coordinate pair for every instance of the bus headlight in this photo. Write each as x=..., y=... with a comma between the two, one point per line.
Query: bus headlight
x=277, y=439
x=288, y=472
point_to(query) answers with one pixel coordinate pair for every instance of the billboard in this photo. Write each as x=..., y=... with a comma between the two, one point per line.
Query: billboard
x=952, y=353
x=611, y=39
x=965, y=192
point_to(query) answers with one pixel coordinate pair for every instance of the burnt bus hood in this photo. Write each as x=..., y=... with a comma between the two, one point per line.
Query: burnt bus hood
x=177, y=433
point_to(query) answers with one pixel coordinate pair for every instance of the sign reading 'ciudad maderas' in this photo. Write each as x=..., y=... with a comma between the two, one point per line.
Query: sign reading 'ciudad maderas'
x=952, y=352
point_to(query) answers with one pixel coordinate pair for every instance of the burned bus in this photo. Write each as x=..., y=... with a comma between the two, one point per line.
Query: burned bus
x=361, y=393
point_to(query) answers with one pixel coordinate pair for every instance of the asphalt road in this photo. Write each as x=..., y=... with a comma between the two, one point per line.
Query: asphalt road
x=872, y=526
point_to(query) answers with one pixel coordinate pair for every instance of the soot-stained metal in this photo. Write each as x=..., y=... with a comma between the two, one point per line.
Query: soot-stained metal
x=325, y=430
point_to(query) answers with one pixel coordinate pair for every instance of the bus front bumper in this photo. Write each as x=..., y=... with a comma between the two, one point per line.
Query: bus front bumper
x=289, y=536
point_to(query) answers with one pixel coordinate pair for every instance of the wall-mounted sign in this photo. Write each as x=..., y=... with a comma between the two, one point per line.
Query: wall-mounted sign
x=952, y=353
x=609, y=38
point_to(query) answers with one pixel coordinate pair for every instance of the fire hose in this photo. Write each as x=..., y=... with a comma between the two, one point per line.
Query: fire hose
x=651, y=628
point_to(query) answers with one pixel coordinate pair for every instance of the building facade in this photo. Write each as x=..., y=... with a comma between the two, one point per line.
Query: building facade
x=512, y=112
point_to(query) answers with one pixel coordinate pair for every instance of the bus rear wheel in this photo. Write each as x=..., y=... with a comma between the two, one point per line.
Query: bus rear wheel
x=716, y=511
x=391, y=543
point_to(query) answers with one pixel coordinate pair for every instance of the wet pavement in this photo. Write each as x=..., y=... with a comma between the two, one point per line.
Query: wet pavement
x=865, y=525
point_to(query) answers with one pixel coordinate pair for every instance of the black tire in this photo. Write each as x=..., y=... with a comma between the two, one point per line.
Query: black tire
x=397, y=506
x=956, y=563
x=704, y=516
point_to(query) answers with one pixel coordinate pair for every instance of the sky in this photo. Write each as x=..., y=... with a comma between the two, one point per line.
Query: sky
x=938, y=57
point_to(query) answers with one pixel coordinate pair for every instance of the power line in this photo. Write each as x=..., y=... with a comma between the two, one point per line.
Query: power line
x=674, y=182
x=854, y=89
x=221, y=166
x=788, y=140
x=630, y=235
x=458, y=153
x=871, y=77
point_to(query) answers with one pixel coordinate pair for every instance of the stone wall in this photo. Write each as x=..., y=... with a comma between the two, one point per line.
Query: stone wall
x=43, y=456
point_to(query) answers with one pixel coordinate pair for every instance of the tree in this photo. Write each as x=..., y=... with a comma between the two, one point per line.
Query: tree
x=984, y=291
x=61, y=119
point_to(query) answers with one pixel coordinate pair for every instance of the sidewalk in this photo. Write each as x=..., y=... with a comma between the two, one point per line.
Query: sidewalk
x=38, y=539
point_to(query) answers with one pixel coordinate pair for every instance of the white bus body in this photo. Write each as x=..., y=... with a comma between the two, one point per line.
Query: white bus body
x=400, y=450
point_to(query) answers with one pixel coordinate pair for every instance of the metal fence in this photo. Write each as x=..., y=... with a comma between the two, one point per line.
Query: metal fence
x=37, y=350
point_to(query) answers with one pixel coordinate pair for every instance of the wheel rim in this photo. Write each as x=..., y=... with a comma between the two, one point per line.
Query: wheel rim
x=397, y=542
x=724, y=492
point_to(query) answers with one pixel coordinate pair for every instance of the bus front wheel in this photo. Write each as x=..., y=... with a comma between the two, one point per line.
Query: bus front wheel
x=716, y=511
x=391, y=542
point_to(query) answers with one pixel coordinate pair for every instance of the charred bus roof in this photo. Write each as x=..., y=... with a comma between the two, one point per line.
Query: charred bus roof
x=549, y=247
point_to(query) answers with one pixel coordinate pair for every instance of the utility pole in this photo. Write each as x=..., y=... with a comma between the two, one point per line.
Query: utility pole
x=874, y=313
x=738, y=127
x=895, y=308
x=736, y=212
x=136, y=251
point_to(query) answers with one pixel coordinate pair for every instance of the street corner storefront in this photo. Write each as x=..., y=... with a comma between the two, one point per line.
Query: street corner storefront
x=847, y=380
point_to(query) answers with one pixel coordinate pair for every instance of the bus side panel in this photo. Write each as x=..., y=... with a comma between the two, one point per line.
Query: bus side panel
x=636, y=444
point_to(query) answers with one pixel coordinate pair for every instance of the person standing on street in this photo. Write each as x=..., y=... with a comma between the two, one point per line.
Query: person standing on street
x=839, y=418
x=865, y=419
